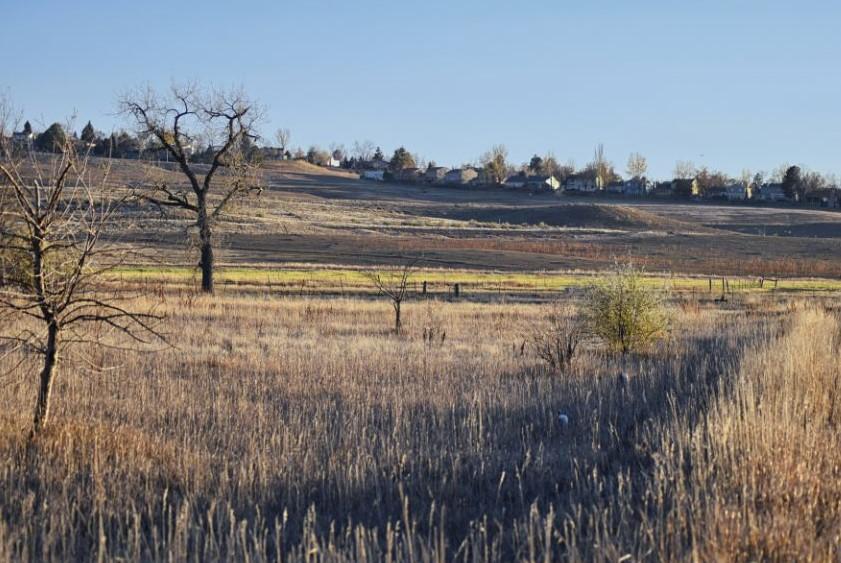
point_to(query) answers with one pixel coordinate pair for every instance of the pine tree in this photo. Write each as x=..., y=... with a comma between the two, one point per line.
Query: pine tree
x=88, y=134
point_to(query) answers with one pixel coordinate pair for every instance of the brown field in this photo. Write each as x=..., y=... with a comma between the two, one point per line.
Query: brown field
x=284, y=426
x=302, y=428
x=317, y=216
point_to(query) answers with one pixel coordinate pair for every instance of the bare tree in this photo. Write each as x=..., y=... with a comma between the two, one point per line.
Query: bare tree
x=394, y=285
x=363, y=150
x=227, y=121
x=52, y=259
x=283, y=136
x=684, y=170
x=637, y=165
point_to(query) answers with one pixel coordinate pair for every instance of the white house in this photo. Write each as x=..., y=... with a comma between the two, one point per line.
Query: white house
x=460, y=176
x=581, y=184
x=375, y=175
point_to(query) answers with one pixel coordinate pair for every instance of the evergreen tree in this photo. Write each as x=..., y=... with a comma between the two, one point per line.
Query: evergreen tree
x=88, y=134
x=27, y=128
x=378, y=154
x=791, y=181
x=402, y=159
x=52, y=140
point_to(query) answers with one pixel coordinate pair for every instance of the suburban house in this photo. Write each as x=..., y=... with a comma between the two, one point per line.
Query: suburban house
x=635, y=187
x=772, y=192
x=333, y=162
x=825, y=197
x=685, y=187
x=663, y=189
x=435, y=174
x=581, y=184
x=616, y=188
x=516, y=181
x=736, y=192
x=22, y=138
x=460, y=176
x=543, y=182
x=715, y=192
x=375, y=175
x=408, y=175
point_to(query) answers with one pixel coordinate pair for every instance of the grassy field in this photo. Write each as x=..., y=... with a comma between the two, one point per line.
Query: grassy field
x=288, y=421
x=301, y=428
x=314, y=279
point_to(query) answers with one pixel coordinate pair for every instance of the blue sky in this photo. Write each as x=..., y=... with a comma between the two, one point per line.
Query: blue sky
x=730, y=85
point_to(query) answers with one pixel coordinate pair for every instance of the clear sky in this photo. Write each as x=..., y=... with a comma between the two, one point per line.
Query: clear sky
x=728, y=84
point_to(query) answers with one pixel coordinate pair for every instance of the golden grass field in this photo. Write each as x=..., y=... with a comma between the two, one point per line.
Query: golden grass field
x=286, y=421
x=288, y=427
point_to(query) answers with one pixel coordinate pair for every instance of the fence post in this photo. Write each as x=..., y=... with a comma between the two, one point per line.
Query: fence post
x=424, y=287
x=456, y=290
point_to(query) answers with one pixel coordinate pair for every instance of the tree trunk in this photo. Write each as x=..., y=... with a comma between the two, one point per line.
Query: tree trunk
x=206, y=236
x=42, y=406
x=206, y=264
x=396, y=317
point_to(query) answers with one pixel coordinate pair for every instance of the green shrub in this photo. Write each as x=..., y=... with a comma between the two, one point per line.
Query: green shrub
x=625, y=313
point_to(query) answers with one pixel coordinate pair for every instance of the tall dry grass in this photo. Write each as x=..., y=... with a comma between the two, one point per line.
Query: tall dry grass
x=301, y=428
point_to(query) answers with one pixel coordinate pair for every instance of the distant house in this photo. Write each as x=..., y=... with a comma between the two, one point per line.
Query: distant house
x=715, y=192
x=375, y=175
x=772, y=192
x=736, y=192
x=435, y=174
x=580, y=184
x=663, y=189
x=635, y=187
x=826, y=197
x=516, y=181
x=23, y=138
x=616, y=188
x=685, y=187
x=543, y=182
x=460, y=176
x=332, y=162
x=408, y=175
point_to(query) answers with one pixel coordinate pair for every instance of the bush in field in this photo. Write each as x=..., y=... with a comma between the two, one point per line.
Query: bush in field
x=556, y=342
x=625, y=313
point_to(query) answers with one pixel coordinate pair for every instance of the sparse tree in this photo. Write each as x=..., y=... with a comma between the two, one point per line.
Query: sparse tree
x=495, y=164
x=684, y=170
x=52, y=260
x=363, y=150
x=175, y=121
x=283, y=136
x=394, y=285
x=601, y=167
x=637, y=165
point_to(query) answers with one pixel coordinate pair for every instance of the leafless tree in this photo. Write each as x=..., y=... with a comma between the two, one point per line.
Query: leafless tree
x=363, y=150
x=53, y=214
x=637, y=165
x=283, y=136
x=394, y=285
x=227, y=122
x=684, y=170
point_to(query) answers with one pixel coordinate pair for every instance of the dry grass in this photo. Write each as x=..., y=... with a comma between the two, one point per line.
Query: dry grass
x=300, y=428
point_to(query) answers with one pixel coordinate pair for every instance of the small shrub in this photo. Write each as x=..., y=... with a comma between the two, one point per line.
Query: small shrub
x=557, y=342
x=624, y=313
